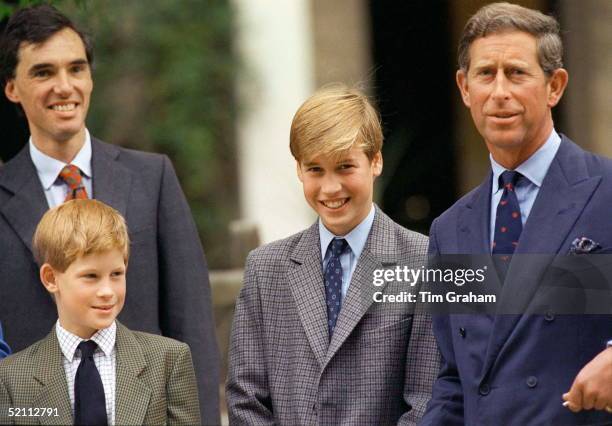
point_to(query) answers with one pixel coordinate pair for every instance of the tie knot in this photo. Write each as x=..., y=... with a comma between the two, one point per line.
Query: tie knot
x=71, y=175
x=87, y=348
x=338, y=245
x=509, y=177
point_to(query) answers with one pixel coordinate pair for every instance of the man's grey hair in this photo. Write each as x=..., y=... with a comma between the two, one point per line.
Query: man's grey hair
x=501, y=17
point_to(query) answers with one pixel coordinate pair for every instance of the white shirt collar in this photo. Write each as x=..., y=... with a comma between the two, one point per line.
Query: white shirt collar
x=535, y=167
x=49, y=168
x=104, y=338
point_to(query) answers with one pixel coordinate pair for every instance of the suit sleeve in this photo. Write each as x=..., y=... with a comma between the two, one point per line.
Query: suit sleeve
x=446, y=404
x=247, y=391
x=5, y=403
x=186, y=309
x=422, y=366
x=182, y=390
x=4, y=348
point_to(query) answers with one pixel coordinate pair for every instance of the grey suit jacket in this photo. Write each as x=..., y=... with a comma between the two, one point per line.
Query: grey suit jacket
x=154, y=376
x=380, y=364
x=168, y=291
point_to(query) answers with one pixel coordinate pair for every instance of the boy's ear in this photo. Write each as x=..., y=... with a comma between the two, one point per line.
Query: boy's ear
x=299, y=171
x=377, y=164
x=48, y=278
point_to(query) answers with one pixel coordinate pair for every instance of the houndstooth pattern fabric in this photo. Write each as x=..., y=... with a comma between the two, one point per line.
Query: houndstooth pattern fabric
x=377, y=369
x=155, y=382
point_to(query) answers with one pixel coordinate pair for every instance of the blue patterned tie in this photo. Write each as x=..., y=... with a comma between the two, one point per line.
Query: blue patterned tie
x=508, y=225
x=89, y=401
x=333, y=283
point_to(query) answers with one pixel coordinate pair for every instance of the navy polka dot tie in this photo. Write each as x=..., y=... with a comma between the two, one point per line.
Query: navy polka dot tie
x=333, y=283
x=508, y=225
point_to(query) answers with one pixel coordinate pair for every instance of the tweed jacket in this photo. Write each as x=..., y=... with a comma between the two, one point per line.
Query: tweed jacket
x=169, y=293
x=155, y=382
x=377, y=369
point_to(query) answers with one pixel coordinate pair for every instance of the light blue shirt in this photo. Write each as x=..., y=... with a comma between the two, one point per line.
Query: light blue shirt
x=534, y=169
x=356, y=240
x=49, y=168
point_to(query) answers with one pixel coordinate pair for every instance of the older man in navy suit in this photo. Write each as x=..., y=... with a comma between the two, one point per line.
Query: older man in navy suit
x=544, y=195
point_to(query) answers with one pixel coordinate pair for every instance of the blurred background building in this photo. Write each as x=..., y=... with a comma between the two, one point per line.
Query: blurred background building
x=214, y=85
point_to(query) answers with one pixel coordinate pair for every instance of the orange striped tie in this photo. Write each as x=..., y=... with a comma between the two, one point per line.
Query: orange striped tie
x=72, y=176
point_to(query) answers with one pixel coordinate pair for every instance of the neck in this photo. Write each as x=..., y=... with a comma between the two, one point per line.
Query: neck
x=63, y=150
x=510, y=157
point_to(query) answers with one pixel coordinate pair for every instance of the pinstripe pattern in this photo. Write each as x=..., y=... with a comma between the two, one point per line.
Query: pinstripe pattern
x=381, y=360
x=155, y=381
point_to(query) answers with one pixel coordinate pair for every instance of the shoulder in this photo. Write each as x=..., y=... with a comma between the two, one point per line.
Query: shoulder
x=159, y=351
x=14, y=367
x=277, y=251
x=129, y=156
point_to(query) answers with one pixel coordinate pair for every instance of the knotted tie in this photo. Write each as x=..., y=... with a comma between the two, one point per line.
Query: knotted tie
x=89, y=401
x=72, y=176
x=508, y=225
x=333, y=283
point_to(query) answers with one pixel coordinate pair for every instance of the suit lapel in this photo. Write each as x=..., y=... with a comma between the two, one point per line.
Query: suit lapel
x=359, y=297
x=111, y=181
x=473, y=222
x=305, y=281
x=132, y=394
x=565, y=191
x=50, y=374
x=24, y=210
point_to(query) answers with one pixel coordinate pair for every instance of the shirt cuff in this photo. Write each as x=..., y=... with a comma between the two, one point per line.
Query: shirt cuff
x=609, y=344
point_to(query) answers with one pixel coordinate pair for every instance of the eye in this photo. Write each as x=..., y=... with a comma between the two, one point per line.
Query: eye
x=516, y=71
x=314, y=169
x=90, y=276
x=346, y=166
x=117, y=273
x=75, y=69
x=42, y=73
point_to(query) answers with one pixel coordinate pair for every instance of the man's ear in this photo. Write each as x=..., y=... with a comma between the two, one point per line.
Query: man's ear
x=377, y=164
x=48, y=278
x=298, y=169
x=557, y=83
x=10, y=90
x=461, y=78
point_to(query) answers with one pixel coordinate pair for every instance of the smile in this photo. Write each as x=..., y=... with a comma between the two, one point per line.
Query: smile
x=106, y=308
x=63, y=107
x=335, y=204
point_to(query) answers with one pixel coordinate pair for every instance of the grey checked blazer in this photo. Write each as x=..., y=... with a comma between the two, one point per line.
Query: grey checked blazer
x=382, y=359
x=155, y=382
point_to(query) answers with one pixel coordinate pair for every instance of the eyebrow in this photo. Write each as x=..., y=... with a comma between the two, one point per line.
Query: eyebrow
x=37, y=67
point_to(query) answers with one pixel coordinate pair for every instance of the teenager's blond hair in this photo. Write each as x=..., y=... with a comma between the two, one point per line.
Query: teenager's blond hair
x=334, y=120
x=79, y=228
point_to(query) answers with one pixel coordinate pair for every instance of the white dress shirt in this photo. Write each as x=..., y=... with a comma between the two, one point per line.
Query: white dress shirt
x=48, y=169
x=104, y=359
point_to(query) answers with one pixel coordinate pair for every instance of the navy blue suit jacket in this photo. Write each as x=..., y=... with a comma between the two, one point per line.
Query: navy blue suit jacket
x=513, y=369
x=4, y=348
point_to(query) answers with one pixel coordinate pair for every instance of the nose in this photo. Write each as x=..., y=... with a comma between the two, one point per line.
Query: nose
x=63, y=84
x=105, y=290
x=500, y=90
x=331, y=184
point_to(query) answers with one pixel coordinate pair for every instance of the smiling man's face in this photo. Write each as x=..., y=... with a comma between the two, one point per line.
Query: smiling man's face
x=53, y=84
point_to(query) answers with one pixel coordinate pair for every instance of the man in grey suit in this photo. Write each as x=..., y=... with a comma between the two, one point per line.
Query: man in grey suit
x=313, y=341
x=4, y=348
x=45, y=69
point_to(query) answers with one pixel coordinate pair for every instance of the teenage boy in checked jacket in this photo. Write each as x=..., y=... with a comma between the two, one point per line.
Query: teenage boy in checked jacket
x=90, y=369
x=309, y=345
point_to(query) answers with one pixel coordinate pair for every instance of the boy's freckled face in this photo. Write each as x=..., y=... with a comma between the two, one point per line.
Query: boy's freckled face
x=91, y=292
x=340, y=189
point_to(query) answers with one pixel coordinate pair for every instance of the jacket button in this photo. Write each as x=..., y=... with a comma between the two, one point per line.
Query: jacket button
x=532, y=381
x=462, y=332
x=484, y=389
x=549, y=316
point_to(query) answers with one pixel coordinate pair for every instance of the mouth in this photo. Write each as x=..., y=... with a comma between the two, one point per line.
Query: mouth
x=335, y=204
x=503, y=115
x=104, y=308
x=64, y=107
